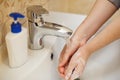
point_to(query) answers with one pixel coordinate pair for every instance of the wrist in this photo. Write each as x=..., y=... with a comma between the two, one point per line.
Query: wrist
x=82, y=33
x=87, y=51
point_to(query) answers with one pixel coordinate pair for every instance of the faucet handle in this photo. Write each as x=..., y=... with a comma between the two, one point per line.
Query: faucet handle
x=35, y=11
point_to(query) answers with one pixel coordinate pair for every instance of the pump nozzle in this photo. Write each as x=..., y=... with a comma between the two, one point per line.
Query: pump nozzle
x=16, y=15
x=16, y=26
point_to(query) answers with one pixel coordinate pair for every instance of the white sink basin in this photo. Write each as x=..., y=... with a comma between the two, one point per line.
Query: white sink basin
x=103, y=65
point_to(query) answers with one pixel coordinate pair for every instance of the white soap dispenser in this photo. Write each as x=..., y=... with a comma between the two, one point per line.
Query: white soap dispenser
x=16, y=41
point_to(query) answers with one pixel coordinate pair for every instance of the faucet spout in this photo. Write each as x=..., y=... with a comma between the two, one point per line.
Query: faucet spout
x=38, y=28
x=37, y=33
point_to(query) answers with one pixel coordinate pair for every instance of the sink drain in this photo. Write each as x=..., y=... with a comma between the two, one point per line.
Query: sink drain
x=52, y=56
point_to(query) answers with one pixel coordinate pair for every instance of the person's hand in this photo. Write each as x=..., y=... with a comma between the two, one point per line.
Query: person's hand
x=70, y=48
x=76, y=64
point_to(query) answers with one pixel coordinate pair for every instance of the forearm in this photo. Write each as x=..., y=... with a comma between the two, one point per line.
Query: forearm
x=108, y=35
x=101, y=12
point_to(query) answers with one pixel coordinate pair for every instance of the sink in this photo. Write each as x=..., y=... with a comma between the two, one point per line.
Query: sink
x=42, y=64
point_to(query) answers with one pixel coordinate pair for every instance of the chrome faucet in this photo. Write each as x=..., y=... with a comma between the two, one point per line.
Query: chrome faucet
x=38, y=28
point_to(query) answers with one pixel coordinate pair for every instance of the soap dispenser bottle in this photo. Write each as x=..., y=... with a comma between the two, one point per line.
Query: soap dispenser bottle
x=16, y=41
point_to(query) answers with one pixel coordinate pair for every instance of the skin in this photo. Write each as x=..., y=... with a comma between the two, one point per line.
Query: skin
x=108, y=35
x=80, y=57
x=76, y=45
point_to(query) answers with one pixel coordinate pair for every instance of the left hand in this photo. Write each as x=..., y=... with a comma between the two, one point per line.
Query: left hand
x=72, y=45
x=76, y=64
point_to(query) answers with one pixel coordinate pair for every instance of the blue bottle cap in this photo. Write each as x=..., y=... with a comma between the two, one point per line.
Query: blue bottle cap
x=16, y=26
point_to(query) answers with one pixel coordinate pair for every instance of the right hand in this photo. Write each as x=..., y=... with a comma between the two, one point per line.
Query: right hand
x=68, y=51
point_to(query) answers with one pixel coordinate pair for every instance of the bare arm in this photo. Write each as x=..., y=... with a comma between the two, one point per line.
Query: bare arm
x=108, y=35
x=101, y=12
x=79, y=59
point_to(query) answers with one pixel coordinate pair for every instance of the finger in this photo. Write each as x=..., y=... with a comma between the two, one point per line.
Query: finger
x=77, y=72
x=74, y=76
x=62, y=70
x=79, y=69
x=70, y=69
x=67, y=51
x=70, y=50
x=61, y=67
x=62, y=74
x=62, y=53
x=65, y=56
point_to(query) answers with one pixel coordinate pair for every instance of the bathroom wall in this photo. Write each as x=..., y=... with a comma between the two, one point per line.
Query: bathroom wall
x=58, y=5
x=80, y=6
